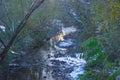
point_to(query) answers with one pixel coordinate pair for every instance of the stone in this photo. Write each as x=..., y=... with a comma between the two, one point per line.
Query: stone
x=118, y=77
x=66, y=44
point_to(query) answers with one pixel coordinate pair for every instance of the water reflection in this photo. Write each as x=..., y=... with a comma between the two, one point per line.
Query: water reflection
x=29, y=73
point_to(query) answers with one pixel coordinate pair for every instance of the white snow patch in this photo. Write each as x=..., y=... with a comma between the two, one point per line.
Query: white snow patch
x=13, y=52
x=14, y=65
x=2, y=28
x=68, y=30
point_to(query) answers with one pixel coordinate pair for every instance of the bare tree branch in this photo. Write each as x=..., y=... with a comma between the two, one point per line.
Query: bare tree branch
x=2, y=42
x=20, y=27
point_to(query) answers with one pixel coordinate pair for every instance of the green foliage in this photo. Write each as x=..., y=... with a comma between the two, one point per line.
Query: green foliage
x=97, y=63
x=88, y=76
x=92, y=42
x=93, y=48
x=102, y=52
x=94, y=75
x=115, y=9
x=105, y=14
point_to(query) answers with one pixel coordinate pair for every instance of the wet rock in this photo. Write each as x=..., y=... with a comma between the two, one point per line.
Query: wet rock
x=67, y=66
x=25, y=64
x=118, y=77
x=68, y=70
x=13, y=66
x=58, y=48
x=66, y=44
x=60, y=54
x=59, y=74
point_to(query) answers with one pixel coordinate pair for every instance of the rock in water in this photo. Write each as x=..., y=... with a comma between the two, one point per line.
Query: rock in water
x=66, y=44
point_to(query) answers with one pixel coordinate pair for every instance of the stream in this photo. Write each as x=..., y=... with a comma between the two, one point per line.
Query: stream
x=59, y=62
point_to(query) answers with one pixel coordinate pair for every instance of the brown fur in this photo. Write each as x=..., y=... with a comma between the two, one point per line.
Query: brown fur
x=57, y=38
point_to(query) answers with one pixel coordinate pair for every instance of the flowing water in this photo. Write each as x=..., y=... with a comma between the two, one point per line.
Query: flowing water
x=59, y=62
